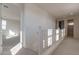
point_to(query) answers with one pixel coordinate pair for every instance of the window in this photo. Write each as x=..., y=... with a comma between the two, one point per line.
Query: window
x=43, y=43
x=49, y=37
x=49, y=41
x=57, y=34
x=62, y=33
x=3, y=24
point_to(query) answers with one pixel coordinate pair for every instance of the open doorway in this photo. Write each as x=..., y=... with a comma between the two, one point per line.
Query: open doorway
x=70, y=28
x=10, y=29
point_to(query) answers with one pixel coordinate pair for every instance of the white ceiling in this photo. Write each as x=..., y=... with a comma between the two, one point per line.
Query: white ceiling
x=56, y=9
x=12, y=12
x=60, y=9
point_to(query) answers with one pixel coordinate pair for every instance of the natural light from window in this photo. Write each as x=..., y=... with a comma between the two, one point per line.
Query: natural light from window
x=49, y=41
x=3, y=24
x=11, y=34
x=16, y=48
x=43, y=43
x=57, y=34
x=21, y=36
x=63, y=33
x=50, y=37
x=49, y=32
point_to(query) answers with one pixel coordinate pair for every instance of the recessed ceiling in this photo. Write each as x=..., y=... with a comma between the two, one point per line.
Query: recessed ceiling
x=10, y=11
x=60, y=9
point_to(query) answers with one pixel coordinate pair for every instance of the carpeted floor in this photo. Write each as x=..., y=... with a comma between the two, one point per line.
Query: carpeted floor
x=10, y=43
x=69, y=46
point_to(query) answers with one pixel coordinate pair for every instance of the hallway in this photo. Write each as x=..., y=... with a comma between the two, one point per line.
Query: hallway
x=69, y=46
x=41, y=27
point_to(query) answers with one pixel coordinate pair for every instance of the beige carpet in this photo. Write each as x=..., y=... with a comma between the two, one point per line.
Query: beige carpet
x=10, y=43
x=69, y=46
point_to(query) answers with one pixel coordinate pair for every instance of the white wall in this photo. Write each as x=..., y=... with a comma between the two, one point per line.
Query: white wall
x=0, y=32
x=35, y=22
